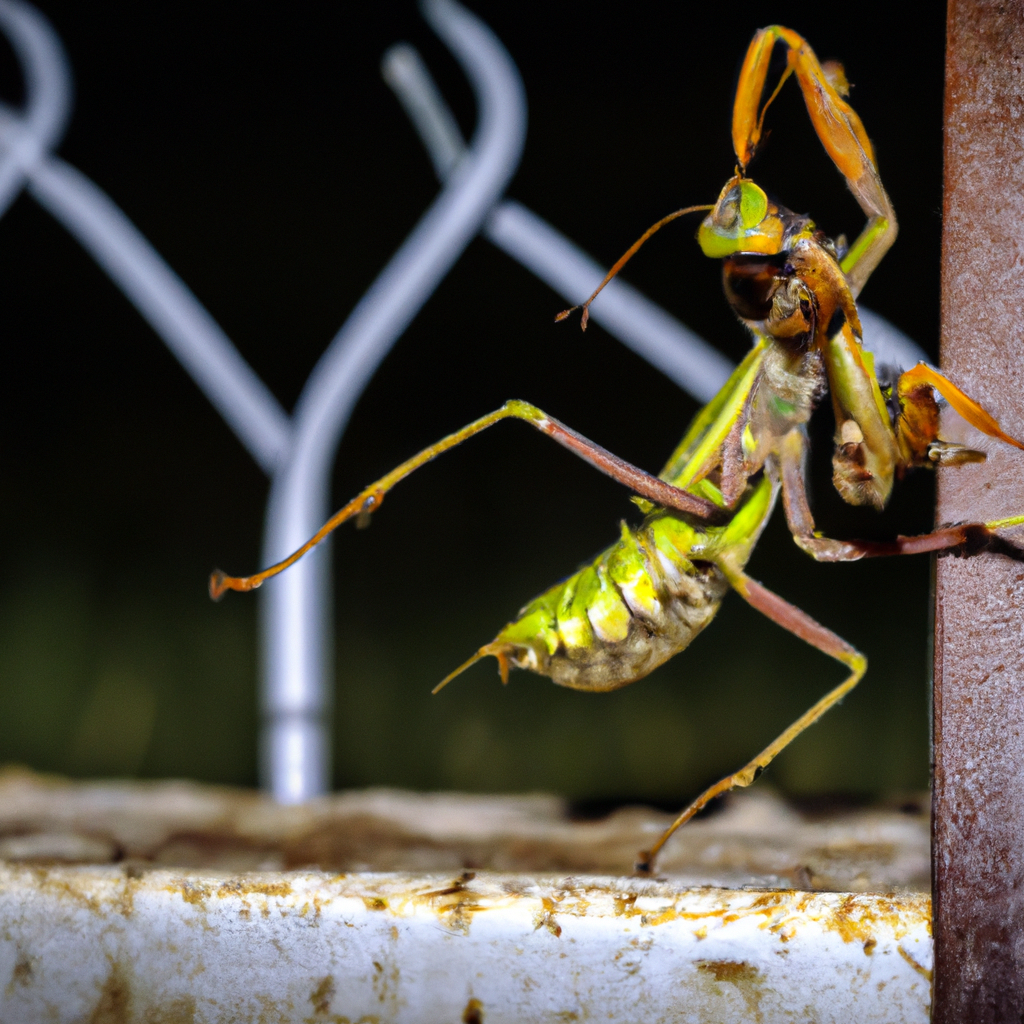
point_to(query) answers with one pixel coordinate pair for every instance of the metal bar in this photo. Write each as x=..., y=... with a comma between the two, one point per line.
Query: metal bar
x=116, y=244
x=100, y=923
x=48, y=92
x=196, y=340
x=978, y=795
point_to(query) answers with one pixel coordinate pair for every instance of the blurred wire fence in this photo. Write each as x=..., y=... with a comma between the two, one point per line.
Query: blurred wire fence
x=297, y=451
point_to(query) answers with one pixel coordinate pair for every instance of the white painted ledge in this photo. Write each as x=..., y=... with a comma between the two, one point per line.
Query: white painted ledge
x=96, y=943
x=137, y=936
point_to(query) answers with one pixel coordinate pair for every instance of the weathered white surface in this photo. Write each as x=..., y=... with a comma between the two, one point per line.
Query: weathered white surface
x=167, y=902
x=96, y=944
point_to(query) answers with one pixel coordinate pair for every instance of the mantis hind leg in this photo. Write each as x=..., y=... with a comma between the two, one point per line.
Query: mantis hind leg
x=802, y=625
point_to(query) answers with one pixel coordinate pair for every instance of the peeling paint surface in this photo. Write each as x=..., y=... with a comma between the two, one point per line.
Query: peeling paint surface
x=113, y=944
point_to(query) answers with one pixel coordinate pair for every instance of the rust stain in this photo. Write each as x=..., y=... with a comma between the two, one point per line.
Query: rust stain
x=245, y=887
x=455, y=904
x=317, y=905
x=192, y=892
x=634, y=964
x=21, y=976
x=322, y=995
x=863, y=919
x=923, y=971
x=385, y=982
x=767, y=905
x=667, y=915
x=624, y=903
x=746, y=978
x=473, y=1013
x=126, y=904
x=52, y=882
x=242, y=888
x=197, y=893
x=114, y=1003
x=735, y=971
x=856, y=920
x=576, y=899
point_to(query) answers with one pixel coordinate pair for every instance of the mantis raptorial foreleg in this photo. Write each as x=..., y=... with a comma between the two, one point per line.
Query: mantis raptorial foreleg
x=799, y=624
x=838, y=127
x=371, y=497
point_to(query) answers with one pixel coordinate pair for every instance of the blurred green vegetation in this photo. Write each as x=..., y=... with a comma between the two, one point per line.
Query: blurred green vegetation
x=124, y=687
x=264, y=158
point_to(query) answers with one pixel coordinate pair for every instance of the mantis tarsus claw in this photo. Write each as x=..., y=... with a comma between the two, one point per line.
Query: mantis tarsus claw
x=642, y=868
x=217, y=588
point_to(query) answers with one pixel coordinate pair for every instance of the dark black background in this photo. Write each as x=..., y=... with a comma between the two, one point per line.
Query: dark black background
x=258, y=149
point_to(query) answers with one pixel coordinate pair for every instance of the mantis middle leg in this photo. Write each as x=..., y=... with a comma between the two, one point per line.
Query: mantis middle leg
x=970, y=537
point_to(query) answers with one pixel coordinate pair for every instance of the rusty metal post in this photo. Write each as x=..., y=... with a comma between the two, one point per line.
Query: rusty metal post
x=978, y=796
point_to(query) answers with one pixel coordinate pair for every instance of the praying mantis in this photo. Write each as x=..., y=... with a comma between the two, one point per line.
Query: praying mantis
x=645, y=598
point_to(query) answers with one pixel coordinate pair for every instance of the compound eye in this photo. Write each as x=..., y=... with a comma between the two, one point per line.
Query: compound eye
x=753, y=204
x=741, y=221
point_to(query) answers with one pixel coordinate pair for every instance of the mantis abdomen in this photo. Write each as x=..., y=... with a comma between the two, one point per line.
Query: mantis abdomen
x=636, y=605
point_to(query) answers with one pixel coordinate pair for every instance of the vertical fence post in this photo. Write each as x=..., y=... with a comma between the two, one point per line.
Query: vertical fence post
x=978, y=795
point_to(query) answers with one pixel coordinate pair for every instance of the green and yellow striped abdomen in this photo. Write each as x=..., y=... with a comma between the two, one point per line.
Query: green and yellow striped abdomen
x=638, y=603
